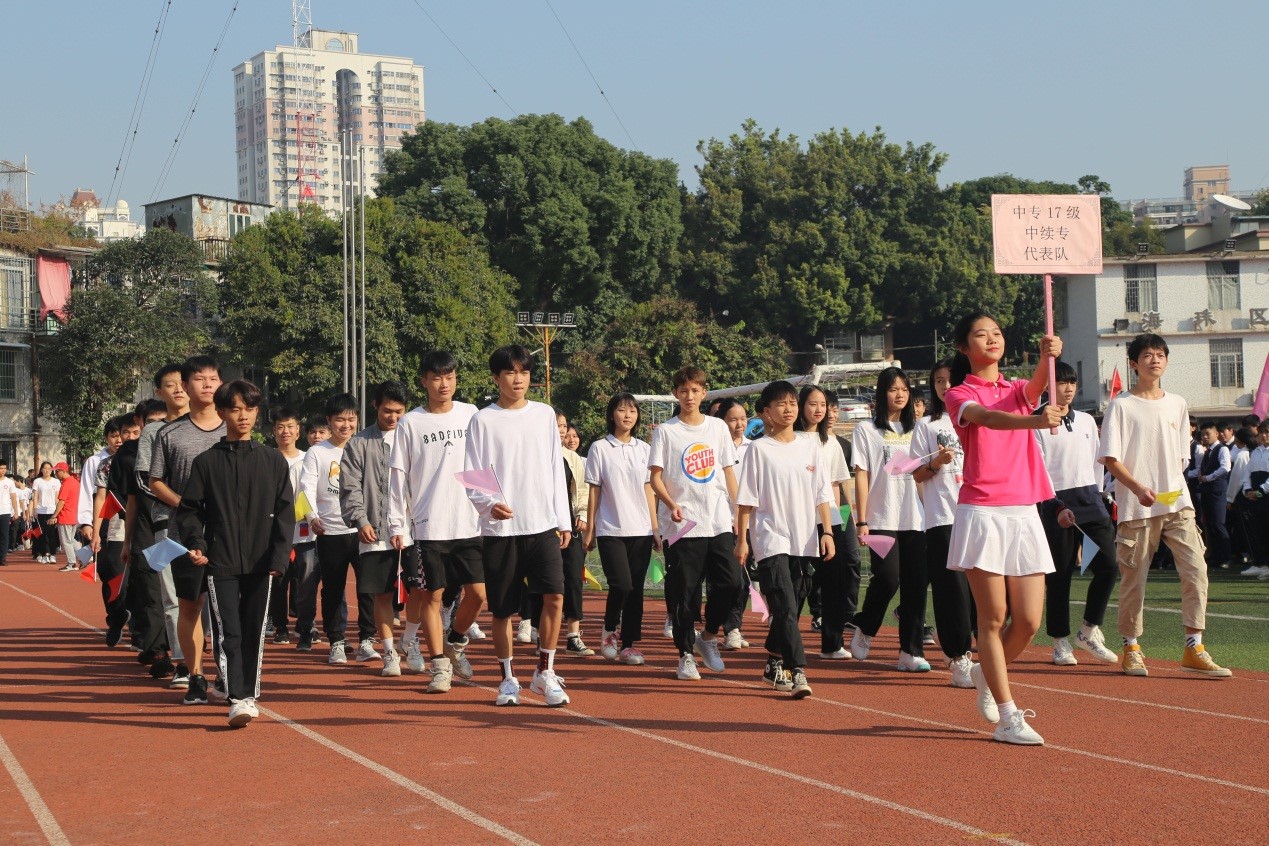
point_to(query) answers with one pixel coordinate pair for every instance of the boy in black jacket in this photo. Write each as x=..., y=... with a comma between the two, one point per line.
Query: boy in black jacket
x=236, y=517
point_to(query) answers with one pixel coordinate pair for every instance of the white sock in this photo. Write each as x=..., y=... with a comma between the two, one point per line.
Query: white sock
x=1130, y=641
x=388, y=644
x=411, y=632
x=1194, y=640
x=506, y=668
x=1006, y=709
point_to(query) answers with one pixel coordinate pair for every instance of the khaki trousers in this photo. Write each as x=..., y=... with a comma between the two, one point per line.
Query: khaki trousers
x=1135, y=544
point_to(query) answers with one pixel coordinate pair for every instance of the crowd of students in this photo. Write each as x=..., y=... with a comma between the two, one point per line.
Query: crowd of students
x=443, y=510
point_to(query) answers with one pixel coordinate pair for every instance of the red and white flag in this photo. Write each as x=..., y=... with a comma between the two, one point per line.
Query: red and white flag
x=110, y=507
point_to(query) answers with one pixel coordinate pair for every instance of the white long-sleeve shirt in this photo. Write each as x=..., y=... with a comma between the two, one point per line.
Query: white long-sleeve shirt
x=1238, y=475
x=424, y=495
x=88, y=486
x=522, y=445
x=319, y=480
x=1258, y=463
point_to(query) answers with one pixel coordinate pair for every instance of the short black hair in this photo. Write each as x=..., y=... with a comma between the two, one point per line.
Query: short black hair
x=168, y=370
x=1208, y=424
x=1251, y=421
x=506, y=358
x=777, y=390
x=390, y=391
x=340, y=404
x=438, y=362
x=150, y=406
x=1222, y=425
x=618, y=400
x=1246, y=437
x=316, y=421
x=1065, y=372
x=198, y=364
x=1146, y=341
x=112, y=426
x=284, y=412
x=238, y=389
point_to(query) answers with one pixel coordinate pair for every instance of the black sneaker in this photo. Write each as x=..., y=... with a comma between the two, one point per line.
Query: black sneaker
x=146, y=658
x=180, y=677
x=578, y=648
x=775, y=675
x=268, y=629
x=304, y=645
x=162, y=668
x=927, y=637
x=315, y=636
x=197, y=692
x=114, y=634
x=281, y=636
x=816, y=624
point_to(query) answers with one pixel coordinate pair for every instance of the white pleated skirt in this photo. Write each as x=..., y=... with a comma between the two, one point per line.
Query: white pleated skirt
x=1007, y=540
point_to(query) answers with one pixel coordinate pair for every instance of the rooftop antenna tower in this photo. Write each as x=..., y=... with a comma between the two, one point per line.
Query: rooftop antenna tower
x=307, y=136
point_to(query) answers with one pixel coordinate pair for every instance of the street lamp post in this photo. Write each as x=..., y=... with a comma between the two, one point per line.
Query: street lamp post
x=544, y=326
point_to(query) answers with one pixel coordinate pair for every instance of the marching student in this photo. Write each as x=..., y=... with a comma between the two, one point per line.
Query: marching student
x=427, y=499
x=1070, y=455
x=144, y=598
x=1255, y=499
x=67, y=513
x=1236, y=519
x=108, y=534
x=525, y=529
x=44, y=491
x=846, y=496
x=997, y=537
x=286, y=434
x=236, y=517
x=575, y=554
x=732, y=412
x=691, y=461
x=363, y=496
x=1212, y=476
x=890, y=504
x=784, y=486
x=621, y=522
x=940, y=480
x=88, y=491
x=1143, y=445
x=10, y=509
x=307, y=571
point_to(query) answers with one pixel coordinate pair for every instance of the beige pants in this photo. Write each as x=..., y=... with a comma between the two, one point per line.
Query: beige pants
x=1135, y=545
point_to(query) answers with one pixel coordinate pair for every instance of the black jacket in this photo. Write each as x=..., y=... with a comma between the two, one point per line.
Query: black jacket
x=238, y=509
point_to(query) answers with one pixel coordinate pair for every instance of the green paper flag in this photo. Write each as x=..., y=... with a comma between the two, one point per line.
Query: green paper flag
x=657, y=571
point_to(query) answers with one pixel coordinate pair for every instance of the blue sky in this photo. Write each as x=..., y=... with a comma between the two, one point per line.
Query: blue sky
x=1132, y=91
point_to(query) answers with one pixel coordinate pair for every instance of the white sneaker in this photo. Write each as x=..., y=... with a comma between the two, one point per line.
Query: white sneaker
x=1094, y=642
x=687, y=669
x=474, y=632
x=338, y=654
x=609, y=646
x=1264, y=577
x=508, y=692
x=550, y=687
x=524, y=632
x=1016, y=730
x=839, y=654
x=1254, y=570
x=1063, y=654
x=443, y=676
x=630, y=656
x=239, y=713
x=391, y=663
x=734, y=640
x=986, y=702
x=961, y=668
x=860, y=645
x=366, y=651
x=668, y=630
x=708, y=650
x=912, y=664
x=457, y=655
x=414, y=657
x=251, y=707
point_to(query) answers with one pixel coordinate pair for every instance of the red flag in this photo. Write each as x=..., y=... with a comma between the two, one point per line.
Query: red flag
x=110, y=507
x=1116, y=384
x=1261, y=406
x=115, y=585
x=402, y=593
x=89, y=572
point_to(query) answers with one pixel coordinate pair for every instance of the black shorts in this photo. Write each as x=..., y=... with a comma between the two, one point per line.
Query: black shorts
x=512, y=561
x=190, y=579
x=377, y=571
x=450, y=563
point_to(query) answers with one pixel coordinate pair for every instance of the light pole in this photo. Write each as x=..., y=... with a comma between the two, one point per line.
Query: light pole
x=544, y=326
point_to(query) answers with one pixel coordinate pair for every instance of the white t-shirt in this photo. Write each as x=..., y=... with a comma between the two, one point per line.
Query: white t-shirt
x=1238, y=475
x=741, y=449
x=620, y=471
x=522, y=445
x=834, y=462
x=425, y=494
x=46, y=494
x=1258, y=463
x=1152, y=439
x=894, y=503
x=1071, y=456
x=319, y=479
x=8, y=490
x=294, y=467
x=692, y=459
x=87, y=487
x=939, y=493
x=785, y=482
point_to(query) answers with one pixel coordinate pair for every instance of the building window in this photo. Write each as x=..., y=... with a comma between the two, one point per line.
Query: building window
x=1141, y=289
x=1223, y=288
x=1226, y=359
x=8, y=374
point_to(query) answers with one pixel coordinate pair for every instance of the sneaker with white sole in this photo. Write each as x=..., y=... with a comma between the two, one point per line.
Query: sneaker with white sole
x=338, y=653
x=577, y=647
x=986, y=702
x=708, y=650
x=841, y=653
x=1094, y=642
x=456, y=652
x=912, y=664
x=508, y=692
x=927, y=637
x=775, y=675
x=860, y=645
x=524, y=632
x=443, y=677
x=367, y=652
x=251, y=707
x=239, y=713
x=1196, y=659
x=1133, y=662
x=474, y=632
x=668, y=629
x=687, y=669
x=1063, y=653
x=1016, y=730
x=1254, y=570
x=550, y=687
x=961, y=668
x=414, y=661
x=801, y=689
x=609, y=645
x=630, y=656
x=391, y=663
x=734, y=640
x=216, y=690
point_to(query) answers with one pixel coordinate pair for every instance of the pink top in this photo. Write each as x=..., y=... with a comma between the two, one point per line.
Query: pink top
x=1002, y=466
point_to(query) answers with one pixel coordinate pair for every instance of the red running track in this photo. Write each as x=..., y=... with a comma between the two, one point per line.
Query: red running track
x=97, y=752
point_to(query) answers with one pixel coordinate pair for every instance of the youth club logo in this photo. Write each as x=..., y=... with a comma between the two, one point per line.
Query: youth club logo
x=698, y=463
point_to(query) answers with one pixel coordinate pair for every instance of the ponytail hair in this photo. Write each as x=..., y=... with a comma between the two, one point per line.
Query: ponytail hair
x=960, y=338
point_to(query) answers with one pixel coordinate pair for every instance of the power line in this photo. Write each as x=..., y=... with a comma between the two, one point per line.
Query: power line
x=611, y=108
x=198, y=93
x=467, y=60
x=138, y=105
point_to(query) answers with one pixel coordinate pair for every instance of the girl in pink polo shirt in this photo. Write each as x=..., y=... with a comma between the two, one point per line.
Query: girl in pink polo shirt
x=997, y=537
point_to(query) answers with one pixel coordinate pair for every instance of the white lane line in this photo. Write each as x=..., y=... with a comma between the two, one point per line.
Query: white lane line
x=48, y=823
x=44, y=601
x=955, y=825
x=402, y=781
x=1178, y=612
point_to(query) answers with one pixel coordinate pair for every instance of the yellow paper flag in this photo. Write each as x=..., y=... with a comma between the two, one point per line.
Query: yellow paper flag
x=302, y=506
x=1167, y=497
x=591, y=579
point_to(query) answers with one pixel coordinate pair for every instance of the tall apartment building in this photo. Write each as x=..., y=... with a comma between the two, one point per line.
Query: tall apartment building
x=294, y=106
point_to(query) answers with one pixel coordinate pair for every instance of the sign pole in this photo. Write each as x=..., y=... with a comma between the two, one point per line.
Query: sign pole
x=1048, y=330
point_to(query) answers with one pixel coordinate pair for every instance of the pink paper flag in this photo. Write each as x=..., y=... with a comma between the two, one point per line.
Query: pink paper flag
x=480, y=480
x=759, y=604
x=880, y=544
x=901, y=463
x=680, y=529
x=1261, y=407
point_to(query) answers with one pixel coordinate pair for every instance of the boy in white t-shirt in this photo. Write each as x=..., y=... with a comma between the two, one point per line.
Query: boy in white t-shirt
x=691, y=462
x=1145, y=445
x=783, y=482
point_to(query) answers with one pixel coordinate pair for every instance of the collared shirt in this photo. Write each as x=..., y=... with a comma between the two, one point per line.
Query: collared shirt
x=620, y=472
x=1002, y=466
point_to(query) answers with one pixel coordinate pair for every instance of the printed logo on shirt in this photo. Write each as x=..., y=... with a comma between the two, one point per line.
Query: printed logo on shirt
x=699, y=463
x=332, y=478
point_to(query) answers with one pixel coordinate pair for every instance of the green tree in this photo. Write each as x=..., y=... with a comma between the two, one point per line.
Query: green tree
x=143, y=305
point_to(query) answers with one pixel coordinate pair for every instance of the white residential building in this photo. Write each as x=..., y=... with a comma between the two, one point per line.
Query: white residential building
x=294, y=106
x=106, y=224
